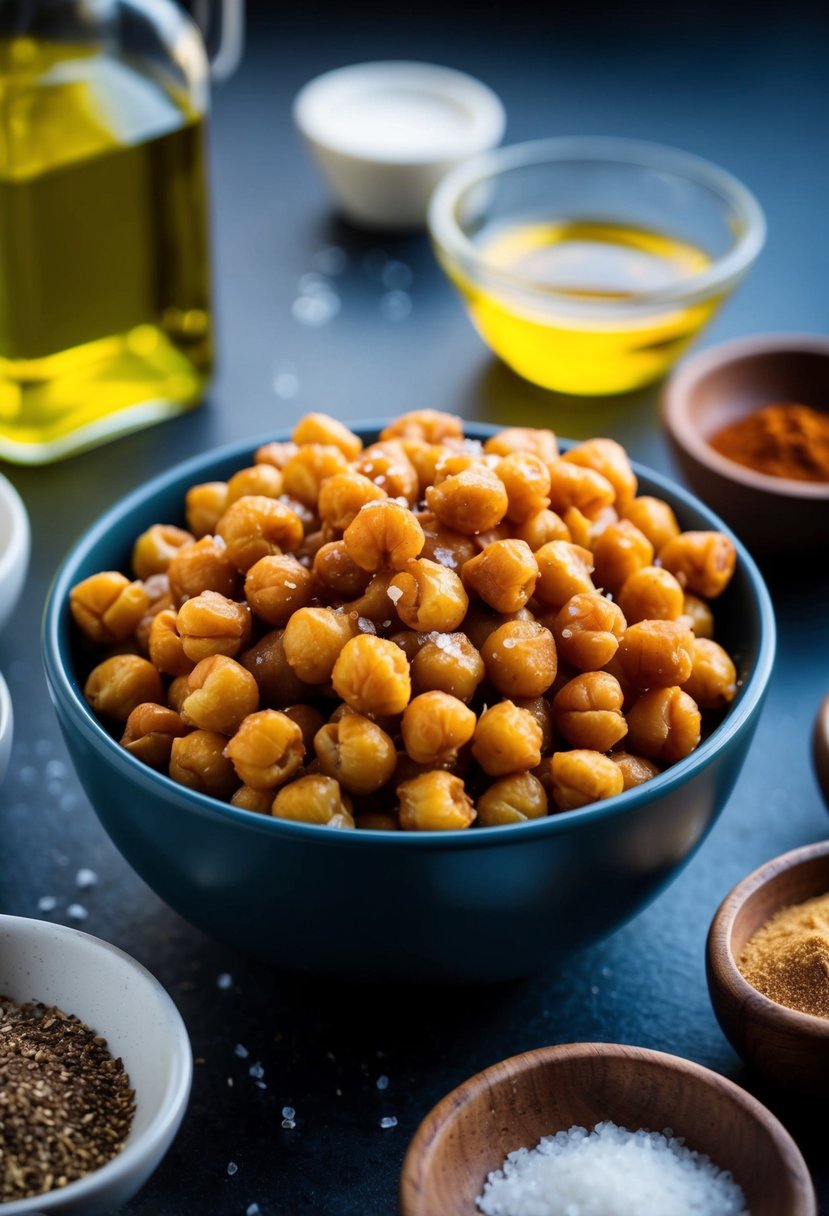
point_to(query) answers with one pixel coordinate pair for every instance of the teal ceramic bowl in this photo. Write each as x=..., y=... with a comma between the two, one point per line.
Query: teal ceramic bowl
x=474, y=906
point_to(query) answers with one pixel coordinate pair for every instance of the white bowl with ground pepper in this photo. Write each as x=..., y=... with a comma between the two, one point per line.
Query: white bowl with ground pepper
x=95, y=1071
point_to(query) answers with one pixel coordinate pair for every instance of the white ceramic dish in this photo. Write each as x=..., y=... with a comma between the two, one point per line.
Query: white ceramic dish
x=119, y=998
x=15, y=545
x=6, y=727
x=384, y=134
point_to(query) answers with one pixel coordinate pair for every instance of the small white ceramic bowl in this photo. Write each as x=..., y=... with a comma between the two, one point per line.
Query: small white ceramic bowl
x=15, y=545
x=384, y=134
x=6, y=727
x=119, y=999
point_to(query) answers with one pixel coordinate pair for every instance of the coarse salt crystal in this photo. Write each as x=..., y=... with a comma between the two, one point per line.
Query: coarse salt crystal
x=256, y=1071
x=47, y=903
x=382, y=1082
x=509, y=643
x=85, y=878
x=224, y=981
x=292, y=586
x=77, y=912
x=388, y=1121
x=394, y=594
x=253, y=1209
x=288, y=1112
x=232, y=1168
x=241, y=1052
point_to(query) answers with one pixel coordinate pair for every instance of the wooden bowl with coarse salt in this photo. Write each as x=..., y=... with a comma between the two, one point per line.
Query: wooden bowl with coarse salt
x=785, y=1046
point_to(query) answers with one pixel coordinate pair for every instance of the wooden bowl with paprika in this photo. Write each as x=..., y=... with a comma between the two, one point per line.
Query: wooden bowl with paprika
x=749, y=425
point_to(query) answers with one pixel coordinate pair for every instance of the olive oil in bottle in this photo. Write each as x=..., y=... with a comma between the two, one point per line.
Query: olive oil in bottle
x=104, y=293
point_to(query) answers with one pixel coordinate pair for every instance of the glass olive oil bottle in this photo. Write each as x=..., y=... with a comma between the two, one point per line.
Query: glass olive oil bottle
x=104, y=284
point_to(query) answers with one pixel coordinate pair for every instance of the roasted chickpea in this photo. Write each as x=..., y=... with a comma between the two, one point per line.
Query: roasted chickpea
x=620, y=551
x=313, y=799
x=198, y=761
x=443, y=545
x=177, y=693
x=520, y=658
x=152, y=552
x=149, y=733
x=513, y=799
x=107, y=607
x=203, y=565
x=255, y=527
x=563, y=571
x=277, y=586
x=357, y=752
x=430, y=426
x=248, y=799
x=376, y=821
x=336, y=575
x=261, y=479
x=425, y=458
x=609, y=458
x=309, y=721
x=428, y=596
x=374, y=604
x=447, y=662
x=157, y=587
x=383, y=533
x=636, y=770
x=342, y=496
x=664, y=724
x=526, y=480
x=278, y=454
x=435, y=726
x=656, y=654
x=582, y=776
x=314, y=639
x=212, y=624
x=306, y=515
x=305, y=472
x=453, y=462
x=587, y=630
x=713, y=679
x=698, y=616
x=322, y=429
x=542, y=527
x=703, y=562
x=523, y=439
x=278, y=684
x=204, y=506
x=507, y=740
x=371, y=675
x=434, y=802
x=653, y=517
x=587, y=712
x=574, y=486
x=118, y=685
x=651, y=594
x=266, y=749
x=472, y=501
x=220, y=693
x=388, y=466
x=503, y=574
x=586, y=532
x=540, y=709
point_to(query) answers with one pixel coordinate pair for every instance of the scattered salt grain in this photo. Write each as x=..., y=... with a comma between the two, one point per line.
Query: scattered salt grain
x=383, y=1082
x=567, y=633
x=224, y=981
x=388, y=1121
x=288, y=1112
x=261, y=1085
x=291, y=586
x=85, y=879
x=611, y=1171
x=47, y=903
x=77, y=912
x=241, y=1052
x=394, y=594
x=253, y=1209
x=232, y=1168
x=509, y=643
x=256, y=1071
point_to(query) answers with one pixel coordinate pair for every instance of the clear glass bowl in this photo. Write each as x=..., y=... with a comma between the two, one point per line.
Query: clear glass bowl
x=590, y=264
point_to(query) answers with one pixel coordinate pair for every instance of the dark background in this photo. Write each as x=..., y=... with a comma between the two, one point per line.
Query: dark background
x=746, y=88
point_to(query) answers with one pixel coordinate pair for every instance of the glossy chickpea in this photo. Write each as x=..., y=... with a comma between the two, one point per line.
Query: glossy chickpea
x=586, y=532
x=314, y=639
x=540, y=709
x=376, y=821
x=115, y=687
x=203, y=565
x=305, y=472
x=472, y=501
x=107, y=607
x=314, y=799
x=388, y=466
x=564, y=570
x=526, y=480
x=435, y=726
x=539, y=443
x=444, y=545
x=697, y=615
x=656, y=654
x=703, y=562
x=277, y=586
x=430, y=426
x=177, y=693
x=307, y=516
x=256, y=527
x=409, y=641
x=582, y=776
x=629, y=691
x=620, y=551
x=609, y=458
x=383, y=533
x=342, y=496
x=520, y=658
x=157, y=587
x=587, y=630
x=651, y=593
x=513, y=799
x=636, y=770
x=587, y=712
x=372, y=676
x=336, y=576
x=198, y=761
x=425, y=458
x=357, y=752
x=453, y=462
x=374, y=604
x=149, y=733
x=664, y=724
x=503, y=574
x=261, y=479
x=220, y=693
x=154, y=549
x=213, y=624
x=447, y=662
x=204, y=506
x=540, y=528
x=480, y=622
x=507, y=740
x=574, y=486
x=713, y=679
x=266, y=749
x=278, y=684
x=246, y=798
x=309, y=721
x=428, y=596
x=653, y=517
x=321, y=428
x=276, y=453
x=434, y=802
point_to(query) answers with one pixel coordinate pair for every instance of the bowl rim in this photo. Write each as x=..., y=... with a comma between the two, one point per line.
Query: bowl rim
x=514, y=1067
x=718, y=277
x=688, y=375
x=722, y=965
x=65, y=691
x=163, y=1126
x=16, y=551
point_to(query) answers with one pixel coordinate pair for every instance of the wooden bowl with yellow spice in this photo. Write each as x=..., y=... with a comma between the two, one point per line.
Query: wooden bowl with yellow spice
x=768, y=969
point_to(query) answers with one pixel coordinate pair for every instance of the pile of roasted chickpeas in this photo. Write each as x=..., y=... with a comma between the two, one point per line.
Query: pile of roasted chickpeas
x=425, y=633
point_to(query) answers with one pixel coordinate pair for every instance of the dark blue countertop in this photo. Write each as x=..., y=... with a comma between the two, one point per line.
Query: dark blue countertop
x=752, y=97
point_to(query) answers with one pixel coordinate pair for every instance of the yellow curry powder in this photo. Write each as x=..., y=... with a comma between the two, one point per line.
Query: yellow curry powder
x=788, y=958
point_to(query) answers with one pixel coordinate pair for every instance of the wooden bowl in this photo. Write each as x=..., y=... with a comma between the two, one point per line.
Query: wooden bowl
x=785, y=1046
x=724, y=384
x=516, y=1102
x=820, y=749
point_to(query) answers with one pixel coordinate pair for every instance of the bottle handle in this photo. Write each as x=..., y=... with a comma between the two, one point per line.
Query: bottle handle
x=222, y=23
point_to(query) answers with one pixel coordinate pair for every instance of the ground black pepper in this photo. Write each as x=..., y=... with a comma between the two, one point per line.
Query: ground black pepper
x=65, y=1104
